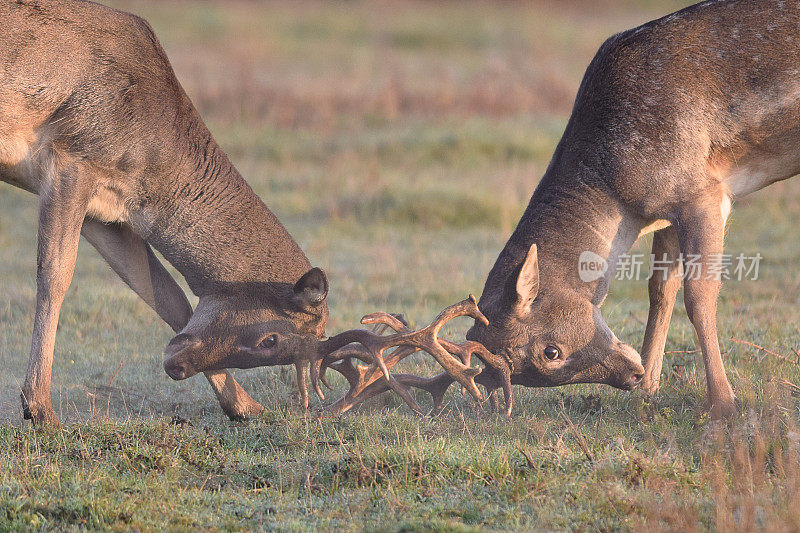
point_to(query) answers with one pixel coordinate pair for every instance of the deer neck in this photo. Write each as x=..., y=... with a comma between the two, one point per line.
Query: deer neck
x=573, y=218
x=208, y=223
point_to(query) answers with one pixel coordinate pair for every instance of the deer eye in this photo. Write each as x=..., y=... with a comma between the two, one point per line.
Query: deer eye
x=269, y=342
x=551, y=352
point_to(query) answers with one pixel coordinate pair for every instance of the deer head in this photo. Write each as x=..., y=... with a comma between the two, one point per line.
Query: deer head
x=552, y=336
x=278, y=342
x=251, y=326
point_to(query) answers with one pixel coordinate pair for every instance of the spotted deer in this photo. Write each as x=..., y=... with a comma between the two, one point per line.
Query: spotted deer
x=93, y=121
x=673, y=121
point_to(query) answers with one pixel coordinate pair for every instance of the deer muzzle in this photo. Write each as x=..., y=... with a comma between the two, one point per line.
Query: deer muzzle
x=177, y=357
x=628, y=369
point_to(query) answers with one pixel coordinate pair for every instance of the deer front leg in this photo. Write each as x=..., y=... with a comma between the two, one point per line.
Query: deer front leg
x=233, y=399
x=62, y=207
x=136, y=264
x=663, y=288
x=134, y=261
x=700, y=232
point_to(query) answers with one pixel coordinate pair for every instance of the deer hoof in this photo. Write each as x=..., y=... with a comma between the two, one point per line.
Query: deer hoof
x=243, y=410
x=724, y=409
x=40, y=415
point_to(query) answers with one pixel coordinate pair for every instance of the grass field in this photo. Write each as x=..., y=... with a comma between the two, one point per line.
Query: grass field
x=399, y=143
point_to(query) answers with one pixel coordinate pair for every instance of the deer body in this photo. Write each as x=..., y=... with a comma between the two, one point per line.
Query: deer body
x=93, y=120
x=673, y=121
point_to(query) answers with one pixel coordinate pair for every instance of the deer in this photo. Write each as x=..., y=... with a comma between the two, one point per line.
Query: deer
x=94, y=122
x=673, y=121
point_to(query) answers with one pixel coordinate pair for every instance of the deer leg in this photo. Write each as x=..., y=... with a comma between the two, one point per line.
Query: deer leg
x=134, y=261
x=663, y=288
x=62, y=207
x=700, y=232
x=233, y=399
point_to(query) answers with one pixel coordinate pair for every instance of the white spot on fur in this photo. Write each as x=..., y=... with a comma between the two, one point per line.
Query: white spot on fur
x=743, y=180
x=107, y=206
x=725, y=207
x=654, y=226
x=14, y=149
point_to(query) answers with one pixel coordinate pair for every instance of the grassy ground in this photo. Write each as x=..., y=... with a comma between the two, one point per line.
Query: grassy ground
x=399, y=143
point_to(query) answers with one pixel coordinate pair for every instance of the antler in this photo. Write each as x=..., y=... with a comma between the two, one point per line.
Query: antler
x=375, y=378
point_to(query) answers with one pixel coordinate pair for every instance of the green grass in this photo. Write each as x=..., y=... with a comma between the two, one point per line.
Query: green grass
x=399, y=143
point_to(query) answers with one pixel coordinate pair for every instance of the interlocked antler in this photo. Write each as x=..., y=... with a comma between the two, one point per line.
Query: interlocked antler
x=375, y=378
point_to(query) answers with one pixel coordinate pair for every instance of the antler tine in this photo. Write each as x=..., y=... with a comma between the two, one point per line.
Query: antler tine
x=363, y=389
x=324, y=381
x=493, y=363
x=356, y=352
x=395, y=321
x=346, y=346
x=382, y=321
x=467, y=307
x=365, y=380
x=346, y=353
x=435, y=386
x=361, y=377
x=302, y=384
x=427, y=339
x=375, y=345
x=501, y=370
x=333, y=348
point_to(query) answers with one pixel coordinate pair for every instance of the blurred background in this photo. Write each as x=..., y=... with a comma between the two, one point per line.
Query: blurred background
x=399, y=142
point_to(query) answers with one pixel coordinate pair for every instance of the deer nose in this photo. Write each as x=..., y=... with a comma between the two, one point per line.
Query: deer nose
x=176, y=371
x=635, y=380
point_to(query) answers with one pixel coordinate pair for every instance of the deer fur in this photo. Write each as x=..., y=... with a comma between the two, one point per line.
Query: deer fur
x=673, y=121
x=93, y=120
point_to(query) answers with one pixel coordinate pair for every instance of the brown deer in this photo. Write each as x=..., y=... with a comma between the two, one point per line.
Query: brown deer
x=93, y=120
x=673, y=121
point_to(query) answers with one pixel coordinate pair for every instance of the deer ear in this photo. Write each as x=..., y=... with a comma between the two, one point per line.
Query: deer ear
x=311, y=289
x=523, y=288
